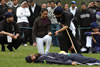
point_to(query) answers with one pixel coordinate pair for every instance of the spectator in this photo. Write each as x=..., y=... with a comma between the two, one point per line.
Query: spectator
x=97, y=5
x=84, y=20
x=3, y=9
x=66, y=7
x=48, y=4
x=73, y=9
x=65, y=19
x=91, y=8
x=58, y=3
x=9, y=33
x=9, y=3
x=54, y=23
x=14, y=7
x=22, y=20
x=95, y=33
x=41, y=32
x=35, y=12
x=44, y=5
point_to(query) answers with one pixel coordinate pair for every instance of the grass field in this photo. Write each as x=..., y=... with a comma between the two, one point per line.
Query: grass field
x=16, y=58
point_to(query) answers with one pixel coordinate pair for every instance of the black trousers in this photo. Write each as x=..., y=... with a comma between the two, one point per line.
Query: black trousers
x=30, y=36
x=24, y=31
x=15, y=42
x=65, y=42
x=83, y=37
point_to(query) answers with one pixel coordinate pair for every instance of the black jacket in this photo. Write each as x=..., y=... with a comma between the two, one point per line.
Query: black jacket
x=9, y=27
x=84, y=18
x=34, y=15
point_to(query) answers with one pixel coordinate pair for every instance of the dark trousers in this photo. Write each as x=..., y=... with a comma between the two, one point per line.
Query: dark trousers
x=83, y=37
x=30, y=36
x=24, y=32
x=65, y=42
x=15, y=42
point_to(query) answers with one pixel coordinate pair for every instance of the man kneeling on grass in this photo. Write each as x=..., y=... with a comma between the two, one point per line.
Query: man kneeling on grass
x=67, y=59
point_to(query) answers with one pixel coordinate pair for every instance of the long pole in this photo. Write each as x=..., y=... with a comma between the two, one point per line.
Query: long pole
x=71, y=41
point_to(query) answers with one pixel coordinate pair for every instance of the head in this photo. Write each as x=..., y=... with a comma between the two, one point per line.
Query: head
x=9, y=17
x=10, y=9
x=31, y=2
x=15, y=2
x=44, y=5
x=44, y=13
x=3, y=2
x=66, y=7
x=83, y=6
x=94, y=27
x=48, y=4
x=32, y=58
x=73, y=4
x=58, y=3
x=52, y=3
x=24, y=4
x=58, y=11
x=97, y=3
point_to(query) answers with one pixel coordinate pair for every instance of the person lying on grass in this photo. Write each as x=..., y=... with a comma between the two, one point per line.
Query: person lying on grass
x=66, y=59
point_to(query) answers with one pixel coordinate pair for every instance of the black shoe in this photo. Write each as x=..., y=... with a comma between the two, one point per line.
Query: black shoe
x=10, y=48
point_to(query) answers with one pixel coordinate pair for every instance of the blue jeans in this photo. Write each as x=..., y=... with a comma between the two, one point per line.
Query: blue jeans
x=54, y=28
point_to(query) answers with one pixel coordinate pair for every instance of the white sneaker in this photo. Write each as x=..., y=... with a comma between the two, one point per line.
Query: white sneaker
x=83, y=49
x=25, y=45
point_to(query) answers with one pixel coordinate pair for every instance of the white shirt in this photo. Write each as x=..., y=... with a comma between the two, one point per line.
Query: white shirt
x=73, y=11
x=33, y=8
x=51, y=15
x=22, y=14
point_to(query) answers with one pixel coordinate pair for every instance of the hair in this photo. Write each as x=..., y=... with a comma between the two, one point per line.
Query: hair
x=44, y=9
x=52, y=1
x=58, y=2
x=37, y=56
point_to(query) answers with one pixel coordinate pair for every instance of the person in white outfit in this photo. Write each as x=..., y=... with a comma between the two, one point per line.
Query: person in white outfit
x=41, y=32
x=22, y=20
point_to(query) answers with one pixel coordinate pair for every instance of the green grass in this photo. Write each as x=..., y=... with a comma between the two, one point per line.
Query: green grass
x=16, y=58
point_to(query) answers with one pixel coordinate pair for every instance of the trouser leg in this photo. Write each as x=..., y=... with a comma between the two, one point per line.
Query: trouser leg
x=47, y=39
x=17, y=42
x=26, y=32
x=30, y=37
x=3, y=41
x=2, y=47
x=40, y=46
x=64, y=42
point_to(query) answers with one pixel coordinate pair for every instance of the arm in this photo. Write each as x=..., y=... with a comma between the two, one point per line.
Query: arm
x=62, y=29
x=27, y=12
x=19, y=12
x=92, y=33
x=34, y=32
x=7, y=33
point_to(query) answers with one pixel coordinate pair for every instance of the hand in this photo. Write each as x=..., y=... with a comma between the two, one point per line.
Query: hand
x=50, y=33
x=98, y=33
x=56, y=33
x=74, y=63
x=15, y=37
x=11, y=35
x=34, y=44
